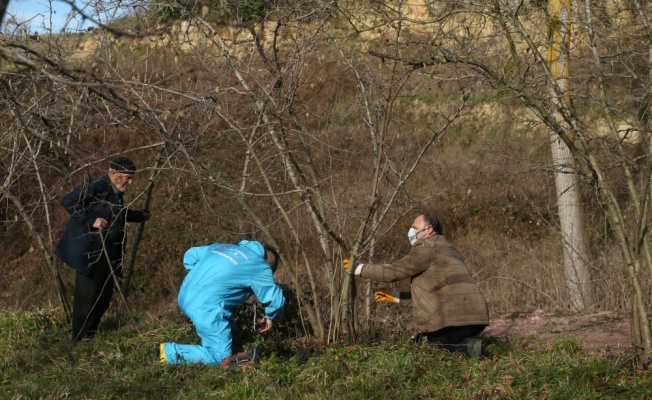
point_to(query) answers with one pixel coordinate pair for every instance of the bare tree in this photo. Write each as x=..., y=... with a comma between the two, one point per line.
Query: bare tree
x=49, y=106
x=504, y=43
x=277, y=120
x=567, y=181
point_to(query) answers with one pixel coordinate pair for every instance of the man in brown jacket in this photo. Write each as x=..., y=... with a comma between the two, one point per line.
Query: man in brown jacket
x=447, y=306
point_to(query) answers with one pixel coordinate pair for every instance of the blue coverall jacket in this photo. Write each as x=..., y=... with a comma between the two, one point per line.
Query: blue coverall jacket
x=221, y=277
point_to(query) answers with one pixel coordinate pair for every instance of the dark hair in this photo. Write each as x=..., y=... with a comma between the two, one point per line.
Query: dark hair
x=123, y=165
x=268, y=250
x=435, y=222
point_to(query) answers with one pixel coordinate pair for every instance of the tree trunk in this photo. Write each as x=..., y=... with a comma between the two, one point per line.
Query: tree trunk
x=570, y=221
x=566, y=179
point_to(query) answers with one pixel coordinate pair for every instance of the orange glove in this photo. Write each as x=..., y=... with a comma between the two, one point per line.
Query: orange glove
x=385, y=294
x=358, y=266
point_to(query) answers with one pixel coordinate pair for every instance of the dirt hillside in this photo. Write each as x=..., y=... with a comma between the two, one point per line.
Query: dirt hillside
x=603, y=333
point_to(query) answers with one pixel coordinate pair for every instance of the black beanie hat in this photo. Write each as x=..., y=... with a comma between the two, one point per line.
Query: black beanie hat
x=123, y=165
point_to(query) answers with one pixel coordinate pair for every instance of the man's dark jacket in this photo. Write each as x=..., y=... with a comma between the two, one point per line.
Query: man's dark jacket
x=81, y=244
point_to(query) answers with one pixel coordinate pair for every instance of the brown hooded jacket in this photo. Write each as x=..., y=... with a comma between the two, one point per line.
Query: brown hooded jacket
x=443, y=292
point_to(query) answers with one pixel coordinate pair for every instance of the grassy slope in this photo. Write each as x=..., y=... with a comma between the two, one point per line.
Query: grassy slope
x=37, y=361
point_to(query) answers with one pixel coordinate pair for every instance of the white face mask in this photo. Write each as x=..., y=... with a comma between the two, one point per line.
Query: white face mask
x=412, y=235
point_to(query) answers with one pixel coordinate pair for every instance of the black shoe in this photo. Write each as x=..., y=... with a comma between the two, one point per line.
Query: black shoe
x=243, y=360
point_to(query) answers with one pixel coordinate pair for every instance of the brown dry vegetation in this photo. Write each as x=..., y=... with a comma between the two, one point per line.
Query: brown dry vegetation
x=486, y=181
x=487, y=177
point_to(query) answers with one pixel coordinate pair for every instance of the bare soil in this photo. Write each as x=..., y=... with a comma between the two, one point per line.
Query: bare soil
x=603, y=333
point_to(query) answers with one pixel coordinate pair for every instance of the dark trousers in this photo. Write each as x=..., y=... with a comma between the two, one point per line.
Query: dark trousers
x=452, y=338
x=93, y=296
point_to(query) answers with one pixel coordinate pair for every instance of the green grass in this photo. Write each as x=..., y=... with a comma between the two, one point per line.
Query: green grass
x=38, y=361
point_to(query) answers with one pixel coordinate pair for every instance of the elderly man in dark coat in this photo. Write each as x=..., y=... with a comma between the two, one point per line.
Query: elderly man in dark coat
x=447, y=305
x=93, y=242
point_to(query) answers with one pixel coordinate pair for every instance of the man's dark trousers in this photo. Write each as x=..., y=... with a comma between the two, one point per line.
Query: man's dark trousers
x=93, y=294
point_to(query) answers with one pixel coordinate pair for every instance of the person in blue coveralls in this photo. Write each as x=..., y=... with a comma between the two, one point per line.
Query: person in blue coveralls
x=221, y=277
